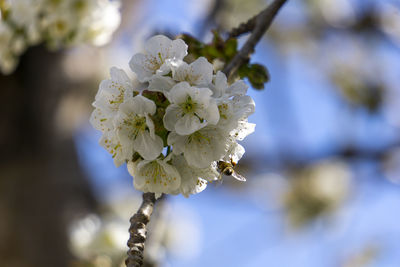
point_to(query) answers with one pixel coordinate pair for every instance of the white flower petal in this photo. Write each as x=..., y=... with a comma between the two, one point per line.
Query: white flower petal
x=177, y=141
x=150, y=125
x=221, y=80
x=148, y=147
x=164, y=69
x=212, y=116
x=119, y=75
x=112, y=92
x=235, y=152
x=138, y=105
x=178, y=49
x=244, y=106
x=201, y=72
x=155, y=176
x=172, y=114
x=201, y=160
x=244, y=129
x=161, y=84
x=239, y=88
x=140, y=66
x=188, y=124
x=123, y=131
x=119, y=153
x=132, y=167
x=205, y=146
x=179, y=93
x=198, y=72
x=202, y=96
x=180, y=71
x=193, y=180
x=158, y=47
x=221, y=83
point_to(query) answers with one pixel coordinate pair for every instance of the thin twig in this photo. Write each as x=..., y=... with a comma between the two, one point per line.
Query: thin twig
x=262, y=23
x=244, y=27
x=138, y=231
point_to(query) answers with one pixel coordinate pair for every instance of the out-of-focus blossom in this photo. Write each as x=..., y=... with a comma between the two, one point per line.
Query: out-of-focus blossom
x=56, y=23
x=316, y=191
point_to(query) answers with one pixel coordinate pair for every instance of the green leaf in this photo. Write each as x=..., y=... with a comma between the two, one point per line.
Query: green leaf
x=244, y=71
x=230, y=48
x=258, y=75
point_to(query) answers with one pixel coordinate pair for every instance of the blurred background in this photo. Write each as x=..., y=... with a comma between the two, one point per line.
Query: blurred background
x=322, y=168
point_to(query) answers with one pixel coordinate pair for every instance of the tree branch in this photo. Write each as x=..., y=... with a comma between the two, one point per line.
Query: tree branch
x=244, y=27
x=261, y=25
x=138, y=231
x=210, y=19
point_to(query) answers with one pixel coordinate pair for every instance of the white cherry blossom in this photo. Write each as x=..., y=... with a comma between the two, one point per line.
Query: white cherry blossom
x=159, y=52
x=55, y=23
x=111, y=94
x=201, y=147
x=221, y=89
x=191, y=109
x=157, y=176
x=244, y=129
x=135, y=128
x=235, y=152
x=161, y=84
x=199, y=72
x=102, y=120
x=233, y=110
x=104, y=20
x=119, y=153
x=113, y=91
x=193, y=180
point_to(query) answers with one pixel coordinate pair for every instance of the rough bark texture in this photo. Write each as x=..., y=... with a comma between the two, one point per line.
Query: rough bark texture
x=138, y=231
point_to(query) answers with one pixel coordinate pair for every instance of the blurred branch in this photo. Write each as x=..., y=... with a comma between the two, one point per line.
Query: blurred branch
x=262, y=23
x=210, y=19
x=244, y=27
x=347, y=153
x=377, y=154
x=138, y=231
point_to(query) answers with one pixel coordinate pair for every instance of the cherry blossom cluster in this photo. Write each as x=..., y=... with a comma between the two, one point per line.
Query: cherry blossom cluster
x=58, y=23
x=175, y=123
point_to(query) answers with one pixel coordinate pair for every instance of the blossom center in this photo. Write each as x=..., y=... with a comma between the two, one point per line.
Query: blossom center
x=137, y=123
x=61, y=26
x=189, y=105
x=80, y=5
x=140, y=123
x=156, y=174
x=119, y=98
x=199, y=138
x=223, y=111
